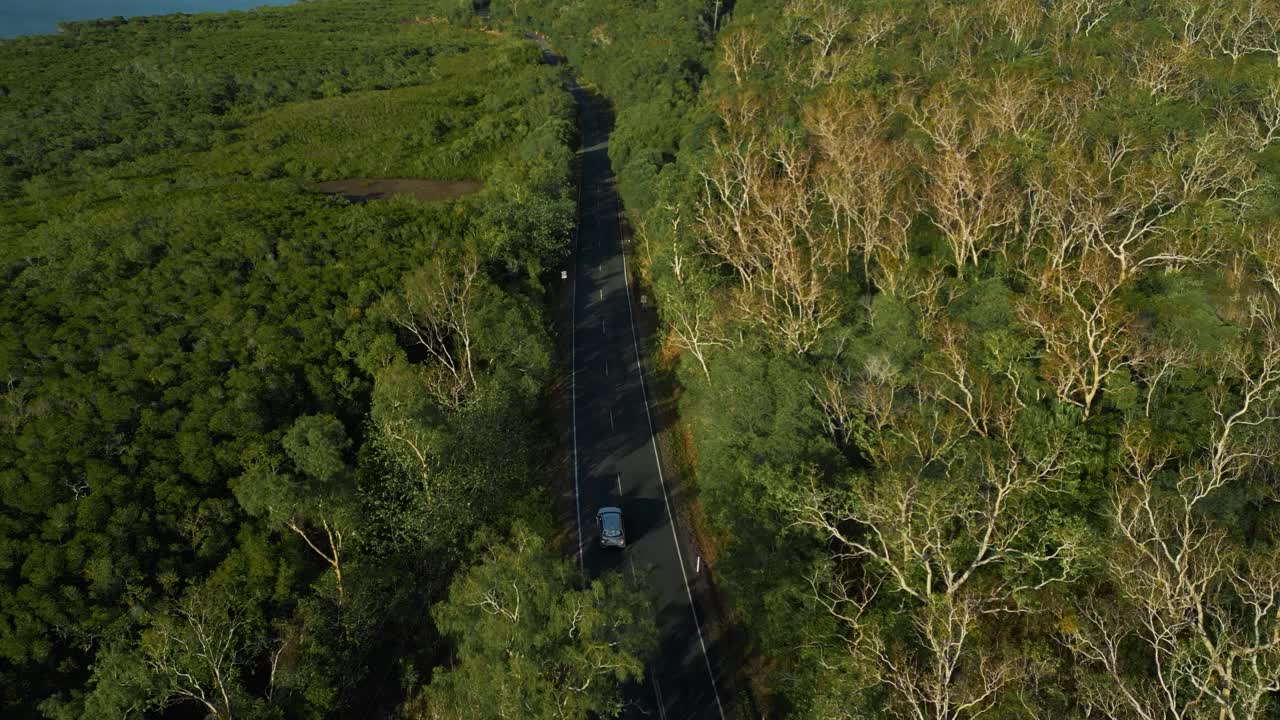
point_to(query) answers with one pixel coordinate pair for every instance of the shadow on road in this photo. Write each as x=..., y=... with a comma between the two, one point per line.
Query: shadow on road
x=610, y=419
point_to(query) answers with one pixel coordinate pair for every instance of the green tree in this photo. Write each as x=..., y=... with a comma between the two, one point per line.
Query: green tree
x=317, y=445
x=320, y=505
x=199, y=649
x=192, y=364
x=121, y=685
x=531, y=643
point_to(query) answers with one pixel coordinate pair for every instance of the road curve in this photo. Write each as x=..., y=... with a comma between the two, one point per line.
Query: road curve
x=614, y=455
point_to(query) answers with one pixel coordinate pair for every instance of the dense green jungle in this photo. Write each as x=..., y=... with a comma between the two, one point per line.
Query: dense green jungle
x=246, y=466
x=970, y=310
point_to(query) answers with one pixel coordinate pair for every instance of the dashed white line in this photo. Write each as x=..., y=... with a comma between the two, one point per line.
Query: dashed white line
x=573, y=379
x=657, y=687
x=619, y=476
x=610, y=419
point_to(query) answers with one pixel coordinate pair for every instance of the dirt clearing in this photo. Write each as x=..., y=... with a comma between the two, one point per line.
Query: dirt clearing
x=366, y=189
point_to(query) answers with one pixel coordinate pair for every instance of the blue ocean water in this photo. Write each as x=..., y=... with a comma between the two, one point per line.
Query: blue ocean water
x=34, y=17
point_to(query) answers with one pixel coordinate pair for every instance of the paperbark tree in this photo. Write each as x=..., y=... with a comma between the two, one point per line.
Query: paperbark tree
x=971, y=200
x=1015, y=105
x=435, y=309
x=945, y=531
x=822, y=27
x=198, y=651
x=1163, y=68
x=969, y=193
x=409, y=415
x=690, y=312
x=864, y=179
x=1112, y=203
x=1262, y=253
x=731, y=182
x=317, y=503
x=796, y=256
x=834, y=394
x=1203, y=609
x=949, y=673
x=1233, y=28
x=1080, y=17
x=1155, y=359
x=1268, y=118
x=741, y=50
x=1085, y=330
x=1020, y=19
x=875, y=26
x=1212, y=171
x=759, y=216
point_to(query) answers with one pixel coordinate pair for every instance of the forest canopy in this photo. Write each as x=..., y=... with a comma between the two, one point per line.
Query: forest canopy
x=970, y=308
x=975, y=317
x=243, y=414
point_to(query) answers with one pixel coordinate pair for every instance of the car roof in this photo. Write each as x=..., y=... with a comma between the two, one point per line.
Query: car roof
x=610, y=509
x=611, y=522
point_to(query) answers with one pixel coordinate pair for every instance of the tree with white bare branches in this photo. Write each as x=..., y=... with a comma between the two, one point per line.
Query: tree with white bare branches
x=945, y=529
x=199, y=650
x=1204, y=611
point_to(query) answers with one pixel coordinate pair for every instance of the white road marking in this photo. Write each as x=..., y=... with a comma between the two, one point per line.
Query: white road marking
x=697, y=568
x=603, y=331
x=606, y=367
x=610, y=419
x=657, y=688
x=601, y=294
x=573, y=376
x=653, y=439
x=657, y=696
x=619, y=476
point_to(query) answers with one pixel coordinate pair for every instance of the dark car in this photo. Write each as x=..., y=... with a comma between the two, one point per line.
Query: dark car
x=609, y=521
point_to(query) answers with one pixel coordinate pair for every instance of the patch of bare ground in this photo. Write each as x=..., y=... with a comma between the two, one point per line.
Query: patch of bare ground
x=366, y=189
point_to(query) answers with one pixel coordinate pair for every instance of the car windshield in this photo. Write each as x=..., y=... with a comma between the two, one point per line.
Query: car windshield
x=612, y=523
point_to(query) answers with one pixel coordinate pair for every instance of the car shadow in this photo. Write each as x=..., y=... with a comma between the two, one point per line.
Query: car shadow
x=640, y=517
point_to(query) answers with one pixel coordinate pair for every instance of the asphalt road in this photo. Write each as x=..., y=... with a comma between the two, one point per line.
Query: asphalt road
x=615, y=458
